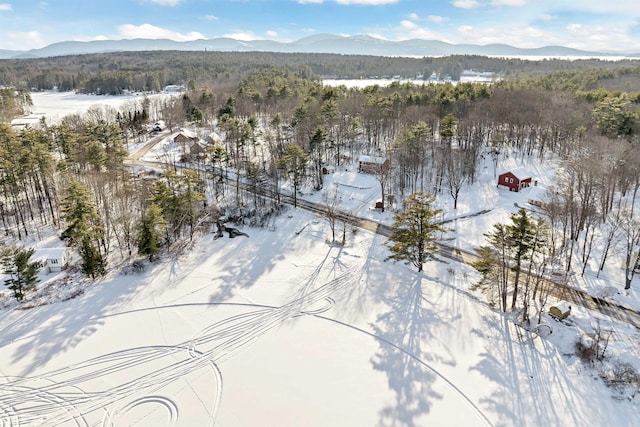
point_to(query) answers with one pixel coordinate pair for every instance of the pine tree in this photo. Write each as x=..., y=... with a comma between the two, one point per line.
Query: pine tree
x=152, y=229
x=294, y=163
x=23, y=275
x=413, y=231
x=510, y=245
x=520, y=235
x=93, y=263
x=494, y=263
x=84, y=228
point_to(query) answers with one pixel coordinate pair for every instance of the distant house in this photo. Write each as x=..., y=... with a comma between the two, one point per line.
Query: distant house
x=471, y=76
x=158, y=126
x=185, y=136
x=174, y=89
x=196, y=149
x=515, y=179
x=50, y=260
x=32, y=121
x=373, y=165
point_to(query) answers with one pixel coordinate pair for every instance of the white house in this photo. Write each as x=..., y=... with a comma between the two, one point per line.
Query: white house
x=174, y=89
x=158, y=126
x=50, y=260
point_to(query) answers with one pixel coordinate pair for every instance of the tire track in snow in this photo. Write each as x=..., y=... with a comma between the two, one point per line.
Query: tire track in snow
x=217, y=342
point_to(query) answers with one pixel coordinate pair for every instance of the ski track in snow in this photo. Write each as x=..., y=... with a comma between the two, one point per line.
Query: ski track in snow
x=64, y=394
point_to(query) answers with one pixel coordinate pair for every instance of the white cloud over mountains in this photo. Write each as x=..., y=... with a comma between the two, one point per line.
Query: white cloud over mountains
x=148, y=31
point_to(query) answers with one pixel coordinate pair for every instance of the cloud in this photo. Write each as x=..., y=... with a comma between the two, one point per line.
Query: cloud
x=411, y=30
x=408, y=25
x=310, y=1
x=431, y=18
x=508, y=2
x=547, y=17
x=5, y=6
x=272, y=34
x=169, y=3
x=245, y=36
x=574, y=28
x=211, y=17
x=148, y=31
x=465, y=4
x=27, y=39
x=437, y=19
x=466, y=30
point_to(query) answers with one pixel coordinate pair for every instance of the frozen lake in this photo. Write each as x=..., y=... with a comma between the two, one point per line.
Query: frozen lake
x=56, y=105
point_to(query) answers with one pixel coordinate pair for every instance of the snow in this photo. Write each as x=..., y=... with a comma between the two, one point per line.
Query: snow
x=283, y=328
x=55, y=105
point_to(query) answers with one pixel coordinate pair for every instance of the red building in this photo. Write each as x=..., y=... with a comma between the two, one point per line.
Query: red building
x=515, y=179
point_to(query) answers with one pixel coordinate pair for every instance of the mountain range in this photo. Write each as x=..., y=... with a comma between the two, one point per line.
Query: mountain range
x=320, y=43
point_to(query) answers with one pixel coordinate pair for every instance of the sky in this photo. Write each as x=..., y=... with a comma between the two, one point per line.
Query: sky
x=595, y=25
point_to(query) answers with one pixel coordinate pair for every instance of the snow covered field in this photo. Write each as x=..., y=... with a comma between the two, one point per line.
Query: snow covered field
x=284, y=329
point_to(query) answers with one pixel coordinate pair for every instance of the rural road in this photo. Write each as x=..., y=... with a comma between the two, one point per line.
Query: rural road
x=573, y=296
x=135, y=158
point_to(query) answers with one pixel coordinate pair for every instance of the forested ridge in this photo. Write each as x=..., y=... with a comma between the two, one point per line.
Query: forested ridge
x=151, y=71
x=278, y=124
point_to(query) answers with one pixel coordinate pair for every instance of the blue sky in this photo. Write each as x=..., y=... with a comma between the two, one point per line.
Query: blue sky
x=583, y=24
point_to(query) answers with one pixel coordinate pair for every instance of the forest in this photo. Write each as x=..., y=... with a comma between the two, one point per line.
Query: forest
x=111, y=73
x=278, y=124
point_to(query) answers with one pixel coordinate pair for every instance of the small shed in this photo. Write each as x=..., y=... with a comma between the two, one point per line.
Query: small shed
x=50, y=260
x=373, y=165
x=515, y=179
x=560, y=311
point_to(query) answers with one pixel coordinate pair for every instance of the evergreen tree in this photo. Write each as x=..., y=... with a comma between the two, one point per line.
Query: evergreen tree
x=520, y=238
x=294, y=162
x=413, y=231
x=22, y=273
x=317, y=142
x=152, y=229
x=93, y=263
x=84, y=228
x=510, y=245
x=494, y=264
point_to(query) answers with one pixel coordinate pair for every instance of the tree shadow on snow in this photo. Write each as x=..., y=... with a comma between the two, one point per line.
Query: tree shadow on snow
x=57, y=328
x=533, y=383
x=244, y=264
x=407, y=325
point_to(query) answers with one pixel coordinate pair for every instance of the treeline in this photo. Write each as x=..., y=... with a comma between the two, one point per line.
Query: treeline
x=111, y=73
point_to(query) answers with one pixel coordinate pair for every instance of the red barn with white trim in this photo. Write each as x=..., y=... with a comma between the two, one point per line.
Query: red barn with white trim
x=515, y=179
